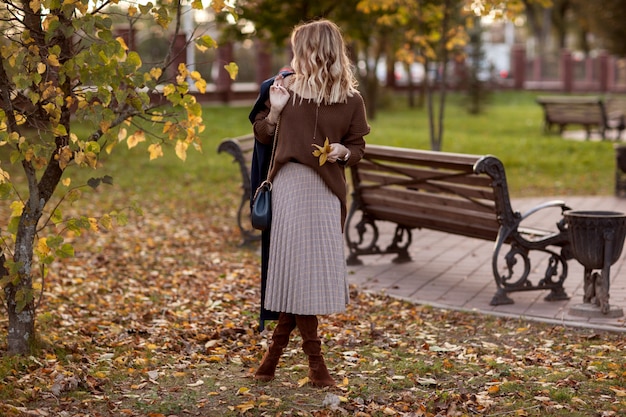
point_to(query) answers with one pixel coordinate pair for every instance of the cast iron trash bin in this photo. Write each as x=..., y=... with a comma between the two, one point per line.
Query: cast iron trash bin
x=597, y=240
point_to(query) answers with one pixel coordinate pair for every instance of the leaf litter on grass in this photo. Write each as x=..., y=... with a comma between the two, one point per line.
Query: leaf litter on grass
x=159, y=318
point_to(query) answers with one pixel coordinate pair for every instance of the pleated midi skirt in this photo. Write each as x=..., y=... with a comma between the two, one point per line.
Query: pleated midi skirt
x=306, y=268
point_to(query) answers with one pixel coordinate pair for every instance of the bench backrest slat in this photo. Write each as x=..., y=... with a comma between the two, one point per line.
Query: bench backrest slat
x=453, y=186
x=458, y=224
x=477, y=203
x=415, y=157
x=460, y=213
x=417, y=175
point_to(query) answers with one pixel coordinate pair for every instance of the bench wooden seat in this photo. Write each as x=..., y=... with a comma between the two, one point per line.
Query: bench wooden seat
x=241, y=148
x=588, y=111
x=455, y=193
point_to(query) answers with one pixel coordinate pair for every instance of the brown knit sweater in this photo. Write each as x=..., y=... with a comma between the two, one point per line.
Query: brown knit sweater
x=341, y=122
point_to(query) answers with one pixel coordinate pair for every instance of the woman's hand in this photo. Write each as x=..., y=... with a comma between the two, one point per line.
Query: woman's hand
x=278, y=95
x=338, y=152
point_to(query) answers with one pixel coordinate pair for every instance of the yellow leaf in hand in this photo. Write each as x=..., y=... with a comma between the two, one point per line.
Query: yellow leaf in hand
x=321, y=152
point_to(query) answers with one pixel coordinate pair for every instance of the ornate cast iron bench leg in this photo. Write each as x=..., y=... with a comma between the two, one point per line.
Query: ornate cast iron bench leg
x=519, y=251
x=402, y=234
x=360, y=246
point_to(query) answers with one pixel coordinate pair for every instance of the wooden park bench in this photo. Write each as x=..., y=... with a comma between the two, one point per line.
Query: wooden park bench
x=588, y=111
x=241, y=149
x=454, y=193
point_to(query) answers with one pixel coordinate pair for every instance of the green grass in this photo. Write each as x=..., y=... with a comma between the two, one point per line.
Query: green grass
x=511, y=128
x=133, y=171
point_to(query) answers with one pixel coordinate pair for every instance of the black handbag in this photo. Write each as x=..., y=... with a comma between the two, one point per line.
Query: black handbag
x=261, y=213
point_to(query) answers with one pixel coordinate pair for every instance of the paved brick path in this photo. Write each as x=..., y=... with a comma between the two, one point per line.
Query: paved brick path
x=454, y=272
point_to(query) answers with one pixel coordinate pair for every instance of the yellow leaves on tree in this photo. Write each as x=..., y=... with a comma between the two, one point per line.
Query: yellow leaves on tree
x=53, y=60
x=35, y=5
x=16, y=208
x=136, y=138
x=64, y=157
x=201, y=86
x=218, y=5
x=183, y=73
x=155, y=151
x=86, y=155
x=42, y=248
x=205, y=42
x=232, y=70
x=35, y=160
x=4, y=176
x=181, y=149
x=86, y=158
x=122, y=42
x=156, y=73
x=200, y=83
x=54, y=112
x=169, y=89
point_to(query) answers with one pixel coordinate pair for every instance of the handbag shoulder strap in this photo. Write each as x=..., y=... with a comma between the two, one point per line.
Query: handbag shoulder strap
x=274, y=145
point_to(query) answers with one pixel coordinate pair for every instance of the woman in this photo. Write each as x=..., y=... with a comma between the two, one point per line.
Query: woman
x=306, y=274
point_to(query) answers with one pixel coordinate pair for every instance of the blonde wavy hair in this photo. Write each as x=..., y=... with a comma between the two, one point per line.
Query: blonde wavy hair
x=321, y=64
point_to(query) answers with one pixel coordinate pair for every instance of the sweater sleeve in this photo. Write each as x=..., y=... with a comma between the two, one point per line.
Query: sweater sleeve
x=359, y=127
x=262, y=130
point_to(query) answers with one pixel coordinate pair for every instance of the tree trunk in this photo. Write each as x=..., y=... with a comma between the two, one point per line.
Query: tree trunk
x=431, y=111
x=410, y=87
x=370, y=87
x=436, y=136
x=21, y=333
x=19, y=293
x=372, y=94
x=20, y=297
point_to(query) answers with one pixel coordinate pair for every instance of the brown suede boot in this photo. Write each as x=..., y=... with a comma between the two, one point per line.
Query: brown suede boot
x=280, y=340
x=312, y=346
